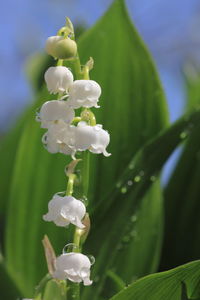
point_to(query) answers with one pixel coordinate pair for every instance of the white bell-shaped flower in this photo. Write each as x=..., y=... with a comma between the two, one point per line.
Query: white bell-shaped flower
x=84, y=136
x=59, y=137
x=101, y=142
x=73, y=266
x=58, y=79
x=84, y=93
x=65, y=210
x=93, y=138
x=55, y=110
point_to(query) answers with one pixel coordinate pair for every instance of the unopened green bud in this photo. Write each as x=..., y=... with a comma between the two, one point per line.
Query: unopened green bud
x=51, y=43
x=65, y=49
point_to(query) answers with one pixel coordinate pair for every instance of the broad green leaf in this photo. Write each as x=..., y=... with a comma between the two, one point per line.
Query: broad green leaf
x=166, y=285
x=9, y=291
x=132, y=109
x=182, y=197
x=111, y=230
x=136, y=113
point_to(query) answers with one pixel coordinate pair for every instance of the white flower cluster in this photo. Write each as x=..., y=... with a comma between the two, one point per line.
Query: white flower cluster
x=57, y=115
x=65, y=135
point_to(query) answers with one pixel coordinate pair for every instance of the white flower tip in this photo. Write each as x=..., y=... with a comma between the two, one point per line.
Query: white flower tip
x=105, y=153
x=87, y=281
x=78, y=223
x=45, y=217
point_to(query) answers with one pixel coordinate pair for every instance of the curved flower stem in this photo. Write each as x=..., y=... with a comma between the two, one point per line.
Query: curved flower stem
x=70, y=184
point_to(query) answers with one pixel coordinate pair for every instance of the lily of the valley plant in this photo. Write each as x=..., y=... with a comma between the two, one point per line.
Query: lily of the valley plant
x=71, y=130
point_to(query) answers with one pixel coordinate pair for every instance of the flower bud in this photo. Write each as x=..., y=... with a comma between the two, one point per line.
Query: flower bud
x=55, y=110
x=58, y=79
x=65, y=210
x=65, y=48
x=74, y=267
x=51, y=43
x=84, y=93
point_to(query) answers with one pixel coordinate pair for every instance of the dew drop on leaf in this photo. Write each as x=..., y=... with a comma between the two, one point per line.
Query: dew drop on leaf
x=123, y=190
x=134, y=218
x=183, y=135
x=129, y=182
x=137, y=178
x=153, y=178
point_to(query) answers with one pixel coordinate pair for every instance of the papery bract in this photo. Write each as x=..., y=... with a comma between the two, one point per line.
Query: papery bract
x=73, y=266
x=84, y=93
x=58, y=79
x=65, y=210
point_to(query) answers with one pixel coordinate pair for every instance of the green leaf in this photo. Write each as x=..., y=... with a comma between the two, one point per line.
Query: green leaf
x=110, y=231
x=133, y=106
x=182, y=195
x=9, y=291
x=133, y=109
x=166, y=285
x=54, y=291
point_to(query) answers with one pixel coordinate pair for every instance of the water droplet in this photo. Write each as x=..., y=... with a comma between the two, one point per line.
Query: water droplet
x=183, y=135
x=118, y=185
x=153, y=178
x=91, y=258
x=133, y=233
x=84, y=199
x=69, y=248
x=126, y=239
x=131, y=166
x=134, y=218
x=61, y=194
x=137, y=178
x=129, y=182
x=123, y=190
